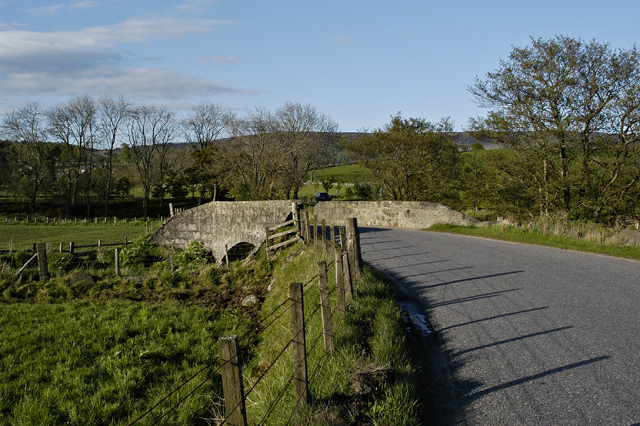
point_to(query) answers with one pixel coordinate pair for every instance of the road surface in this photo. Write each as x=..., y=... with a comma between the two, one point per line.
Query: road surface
x=531, y=335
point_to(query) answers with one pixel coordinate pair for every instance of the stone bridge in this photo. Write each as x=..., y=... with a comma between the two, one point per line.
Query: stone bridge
x=238, y=225
x=392, y=214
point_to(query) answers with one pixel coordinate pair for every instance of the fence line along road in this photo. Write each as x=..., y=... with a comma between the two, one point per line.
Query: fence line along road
x=230, y=368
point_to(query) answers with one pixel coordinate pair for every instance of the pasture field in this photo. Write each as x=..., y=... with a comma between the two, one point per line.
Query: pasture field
x=105, y=363
x=344, y=174
x=21, y=236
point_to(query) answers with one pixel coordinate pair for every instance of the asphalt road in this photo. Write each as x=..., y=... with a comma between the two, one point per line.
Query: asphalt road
x=531, y=335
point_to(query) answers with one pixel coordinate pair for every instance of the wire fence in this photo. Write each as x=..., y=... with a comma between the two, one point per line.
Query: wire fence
x=309, y=303
x=305, y=305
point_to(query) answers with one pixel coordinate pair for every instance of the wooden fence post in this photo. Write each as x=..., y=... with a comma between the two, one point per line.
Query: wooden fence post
x=303, y=227
x=301, y=385
x=42, y=261
x=232, y=387
x=308, y=223
x=117, y=261
x=295, y=216
x=171, y=210
x=353, y=275
x=99, y=244
x=315, y=230
x=324, y=235
x=333, y=237
x=347, y=272
x=325, y=307
x=354, y=235
x=267, y=234
x=340, y=283
x=71, y=246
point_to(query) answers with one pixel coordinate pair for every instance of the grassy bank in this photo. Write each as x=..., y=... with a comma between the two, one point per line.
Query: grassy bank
x=367, y=380
x=527, y=235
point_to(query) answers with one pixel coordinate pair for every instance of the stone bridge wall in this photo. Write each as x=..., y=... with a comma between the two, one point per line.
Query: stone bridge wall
x=394, y=214
x=222, y=222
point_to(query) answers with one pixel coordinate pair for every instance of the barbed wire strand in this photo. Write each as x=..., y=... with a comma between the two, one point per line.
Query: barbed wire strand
x=185, y=397
x=267, y=317
x=277, y=400
x=171, y=393
x=259, y=379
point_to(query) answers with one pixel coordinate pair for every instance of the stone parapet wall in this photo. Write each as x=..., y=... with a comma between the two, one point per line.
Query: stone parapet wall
x=221, y=223
x=393, y=214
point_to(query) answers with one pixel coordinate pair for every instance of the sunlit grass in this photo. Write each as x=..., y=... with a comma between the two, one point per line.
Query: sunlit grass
x=528, y=236
x=105, y=362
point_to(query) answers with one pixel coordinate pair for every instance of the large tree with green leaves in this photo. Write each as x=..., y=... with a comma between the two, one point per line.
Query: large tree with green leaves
x=412, y=159
x=570, y=110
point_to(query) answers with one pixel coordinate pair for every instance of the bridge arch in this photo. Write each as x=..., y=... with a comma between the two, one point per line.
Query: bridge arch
x=234, y=224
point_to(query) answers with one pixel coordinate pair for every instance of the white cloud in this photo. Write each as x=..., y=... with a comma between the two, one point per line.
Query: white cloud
x=145, y=83
x=95, y=60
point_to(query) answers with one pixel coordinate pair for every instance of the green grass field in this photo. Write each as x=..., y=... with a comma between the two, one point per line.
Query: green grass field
x=345, y=174
x=21, y=236
x=105, y=363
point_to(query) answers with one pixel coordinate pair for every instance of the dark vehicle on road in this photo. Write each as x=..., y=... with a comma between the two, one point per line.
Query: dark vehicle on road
x=323, y=196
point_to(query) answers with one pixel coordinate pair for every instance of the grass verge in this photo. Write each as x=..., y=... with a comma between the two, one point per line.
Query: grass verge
x=527, y=236
x=369, y=379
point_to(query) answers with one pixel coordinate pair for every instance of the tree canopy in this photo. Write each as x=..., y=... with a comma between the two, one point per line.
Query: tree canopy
x=412, y=159
x=570, y=110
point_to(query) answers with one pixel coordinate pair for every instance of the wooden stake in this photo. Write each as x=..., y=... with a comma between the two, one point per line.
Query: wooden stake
x=232, y=387
x=325, y=307
x=301, y=385
x=340, y=284
x=42, y=261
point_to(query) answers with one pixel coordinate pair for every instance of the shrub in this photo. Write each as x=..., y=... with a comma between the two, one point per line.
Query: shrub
x=195, y=254
x=137, y=254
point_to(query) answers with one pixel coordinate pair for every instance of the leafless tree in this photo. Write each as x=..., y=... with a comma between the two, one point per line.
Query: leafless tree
x=73, y=125
x=150, y=131
x=206, y=123
x=304, y=134
x=112, y=120
x=26, y=127
x=254, y=155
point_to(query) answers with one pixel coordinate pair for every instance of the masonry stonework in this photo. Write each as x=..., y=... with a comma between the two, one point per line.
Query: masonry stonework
x=221, y=223
x=395, y=214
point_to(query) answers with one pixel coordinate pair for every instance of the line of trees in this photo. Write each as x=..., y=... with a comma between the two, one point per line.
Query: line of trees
x=569, y=111
x=83, y=151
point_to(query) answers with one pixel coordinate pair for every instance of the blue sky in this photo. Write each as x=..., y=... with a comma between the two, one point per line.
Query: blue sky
x=357, y=61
